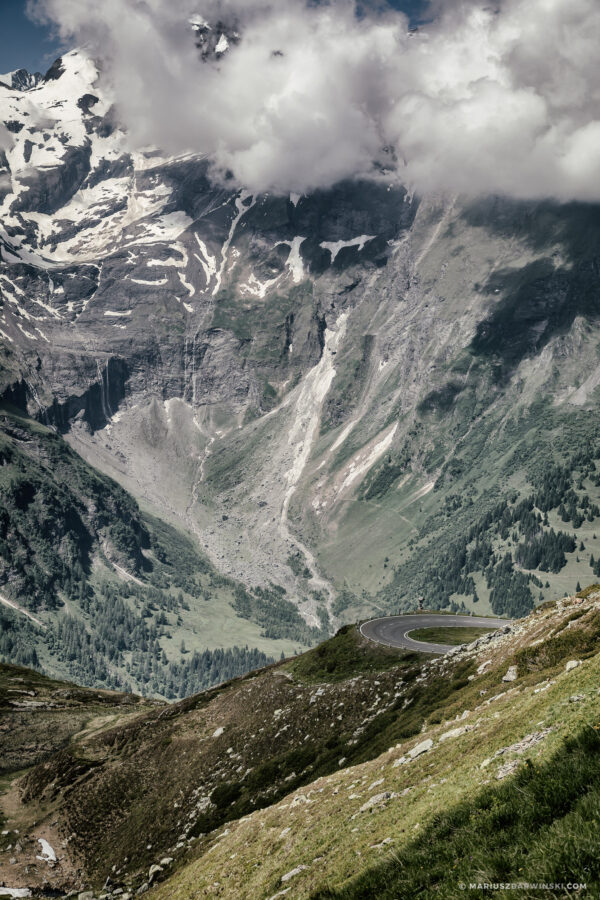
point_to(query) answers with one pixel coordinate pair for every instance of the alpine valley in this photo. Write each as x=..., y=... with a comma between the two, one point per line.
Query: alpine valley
x=233, y=425
x=240, y=421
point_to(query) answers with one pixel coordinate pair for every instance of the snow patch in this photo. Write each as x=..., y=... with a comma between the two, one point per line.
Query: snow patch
x=47, y=854
x=242, y=209
x=334, y=247
x=186, y=284
x=207, y=261
x=294, y=260
x=258, y=288
x=150, y=283
x=112, y=312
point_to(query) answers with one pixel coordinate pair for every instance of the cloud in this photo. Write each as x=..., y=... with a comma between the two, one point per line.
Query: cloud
x=502, y=98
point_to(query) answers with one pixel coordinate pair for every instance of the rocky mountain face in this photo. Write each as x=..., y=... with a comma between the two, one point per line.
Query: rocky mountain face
x=351, y=771
x=21, y=80
x=340, y=396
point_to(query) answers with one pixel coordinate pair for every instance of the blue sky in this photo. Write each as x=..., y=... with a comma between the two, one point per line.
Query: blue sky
x=24, y=45
x=28, y=46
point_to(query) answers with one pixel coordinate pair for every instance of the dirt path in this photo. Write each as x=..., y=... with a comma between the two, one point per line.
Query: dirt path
x=127, y=575
x=12, y=605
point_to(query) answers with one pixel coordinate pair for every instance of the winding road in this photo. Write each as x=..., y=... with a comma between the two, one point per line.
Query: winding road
x=394, y=631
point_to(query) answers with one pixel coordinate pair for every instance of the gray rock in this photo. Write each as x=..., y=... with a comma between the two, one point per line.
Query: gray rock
x=378, y=800
x=453, y=733
x=423, y=747
x=508, y=768
x=292, y=873
x=511, y=675
x=153, y=872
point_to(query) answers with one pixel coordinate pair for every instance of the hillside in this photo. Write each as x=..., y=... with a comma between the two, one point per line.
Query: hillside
x=351, y=771
x=94, y=589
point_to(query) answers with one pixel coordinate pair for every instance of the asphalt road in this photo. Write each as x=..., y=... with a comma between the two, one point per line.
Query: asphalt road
x=394, y=631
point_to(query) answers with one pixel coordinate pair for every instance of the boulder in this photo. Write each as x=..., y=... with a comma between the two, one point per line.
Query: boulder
x=377, y=800
x=423, y=747
x=511, y=675
x=454, y=732
x=154, y=870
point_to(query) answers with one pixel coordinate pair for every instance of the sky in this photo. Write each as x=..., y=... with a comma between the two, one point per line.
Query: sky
x=24, y=45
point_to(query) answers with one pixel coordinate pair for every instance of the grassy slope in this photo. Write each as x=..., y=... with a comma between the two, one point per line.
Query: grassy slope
x=243, y=783
x=39, y=719
x=454, y=784
x=238, y=748
x=346, y=655
x=387, y=545
x=517, y=831
x=448, y=635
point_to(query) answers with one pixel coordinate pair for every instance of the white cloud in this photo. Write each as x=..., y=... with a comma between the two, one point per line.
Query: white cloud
x=503, y=99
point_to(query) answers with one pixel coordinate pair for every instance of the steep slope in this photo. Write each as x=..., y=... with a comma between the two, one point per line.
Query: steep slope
x=331, y=393
x=39, y=717
x=92, y=588
x=461, y=801
x=311, y=772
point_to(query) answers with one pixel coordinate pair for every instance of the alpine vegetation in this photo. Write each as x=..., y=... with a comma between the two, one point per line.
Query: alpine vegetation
x=299, y=450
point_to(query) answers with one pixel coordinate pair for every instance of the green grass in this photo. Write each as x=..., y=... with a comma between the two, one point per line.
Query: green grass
x=577, y=643
x=450, y=635
x=516, y=831
x=345, y=655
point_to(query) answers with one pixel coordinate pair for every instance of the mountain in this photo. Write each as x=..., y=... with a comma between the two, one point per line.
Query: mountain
x=351, y=771
x=345, y=400
x=21, y=80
